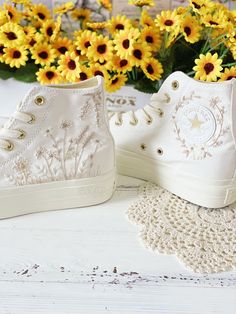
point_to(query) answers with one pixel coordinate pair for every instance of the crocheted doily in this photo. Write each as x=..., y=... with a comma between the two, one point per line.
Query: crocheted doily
x=203, y=239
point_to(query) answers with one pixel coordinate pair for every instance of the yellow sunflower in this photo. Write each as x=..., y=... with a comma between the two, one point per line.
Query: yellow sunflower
x=106, y=4
x=85, y=73
x=124, y=41
x=29, y=31
x=152, y=37
x=49, y=75
x=64, y=8
x=33, y=40
x=43, y=54
x=152, y=69
x=69, y=66
x=62, y=45
x=81, y=15
x=12, y=35
x=168, y=21
x=142, y=3
x=118, y=23
x=215, y=19
x=101, y=49
x=208, y=67
x=115, y=83
x=16, y=57
x=96, y=25
x=50, y=29
x=40, y=12
x=83, y=41
x=2, y=54
x=97, y=69
x=141, y=53
x=228, y=74
x=200, y=4
x=12, y=13
x=24, y=2
x=146, y=19
x=191, y=29
x=121, y=65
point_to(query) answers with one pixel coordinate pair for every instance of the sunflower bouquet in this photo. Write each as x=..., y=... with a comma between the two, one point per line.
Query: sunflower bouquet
x=199, y=39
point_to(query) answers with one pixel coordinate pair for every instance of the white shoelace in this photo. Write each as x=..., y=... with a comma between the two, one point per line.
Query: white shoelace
x=7, y=134
x=146, y=114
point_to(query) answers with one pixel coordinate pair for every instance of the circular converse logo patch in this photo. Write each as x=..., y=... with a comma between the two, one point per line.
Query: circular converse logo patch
x=197, y=123
x=199, y=127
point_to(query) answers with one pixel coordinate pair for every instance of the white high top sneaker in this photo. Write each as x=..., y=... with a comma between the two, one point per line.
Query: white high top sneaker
x=184, y=140
x=56, y=151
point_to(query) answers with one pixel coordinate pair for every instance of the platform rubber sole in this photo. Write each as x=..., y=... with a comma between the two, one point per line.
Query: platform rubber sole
x=206, y=193
x=56, y=195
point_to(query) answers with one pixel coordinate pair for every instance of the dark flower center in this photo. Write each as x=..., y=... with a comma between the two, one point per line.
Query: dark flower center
x=149, y=39
x=213, y=23
x=11, y=35
x=83, y=76
x=98, y=73
x=10, y=14
x=50, y=74
x=71, y=65
x=1, y=50
x=87, y=44
x=43, y=55
x=16, y=54
x=119, y=27
x=126, y=43
x=230, y=77
x=187, y=30
x=138, y=54
x=102, y=48
x=123, y=63
x=49, y=31
x=208, y=67
x=115, y=81
x=169, y=23
x=32, y=42
x=150, y=69
x=62, y=50
x=41, y=16
x=196, y=6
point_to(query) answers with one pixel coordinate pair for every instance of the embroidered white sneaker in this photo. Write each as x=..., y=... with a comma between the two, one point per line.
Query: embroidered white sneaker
x=184, y=140
x=56, y=151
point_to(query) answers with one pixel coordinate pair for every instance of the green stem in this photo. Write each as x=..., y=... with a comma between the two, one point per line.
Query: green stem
x=228, y=64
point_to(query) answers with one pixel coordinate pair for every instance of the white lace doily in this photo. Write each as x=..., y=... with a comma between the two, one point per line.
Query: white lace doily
x=203, y=239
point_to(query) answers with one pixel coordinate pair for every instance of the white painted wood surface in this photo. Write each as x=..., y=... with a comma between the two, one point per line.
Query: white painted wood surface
x=90, y=261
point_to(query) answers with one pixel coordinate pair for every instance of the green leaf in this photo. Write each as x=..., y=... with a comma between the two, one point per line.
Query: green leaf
x=5, y=71
x=146, y=86
x=26, y=73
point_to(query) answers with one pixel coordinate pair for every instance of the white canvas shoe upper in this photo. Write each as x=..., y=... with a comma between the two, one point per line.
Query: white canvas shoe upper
x=58, y=135
x=186, y=135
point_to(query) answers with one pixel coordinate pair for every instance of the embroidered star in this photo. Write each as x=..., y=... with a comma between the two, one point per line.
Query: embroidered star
x=196, y=123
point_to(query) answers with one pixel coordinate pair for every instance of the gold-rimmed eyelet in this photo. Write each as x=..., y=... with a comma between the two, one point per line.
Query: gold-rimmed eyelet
x=22, y=135
x=160, y=113
x=134, y=122
x=9, y=146
x=160, y=151
x=149, y=121
x=143, y=146
x=32, y=120
x=39, y=100
x=175, y=85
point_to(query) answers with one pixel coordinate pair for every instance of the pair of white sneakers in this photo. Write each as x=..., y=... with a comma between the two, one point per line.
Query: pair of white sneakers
x=58, y=151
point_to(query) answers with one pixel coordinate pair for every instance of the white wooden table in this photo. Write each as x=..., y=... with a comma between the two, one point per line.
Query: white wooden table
x=90, y=261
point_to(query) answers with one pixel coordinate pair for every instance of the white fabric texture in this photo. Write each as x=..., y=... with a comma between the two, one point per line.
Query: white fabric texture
x=203, y=239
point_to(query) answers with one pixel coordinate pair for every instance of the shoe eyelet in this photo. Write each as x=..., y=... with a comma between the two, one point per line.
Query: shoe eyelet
x=160, y=113
x=39, y=100
x=149, y=121
x=168, y=99
x=9, y=146
x=143, y=146
x=22, y=135
x=135, y=122
x=32, y=120
x=160, y=151
x=175, y=85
